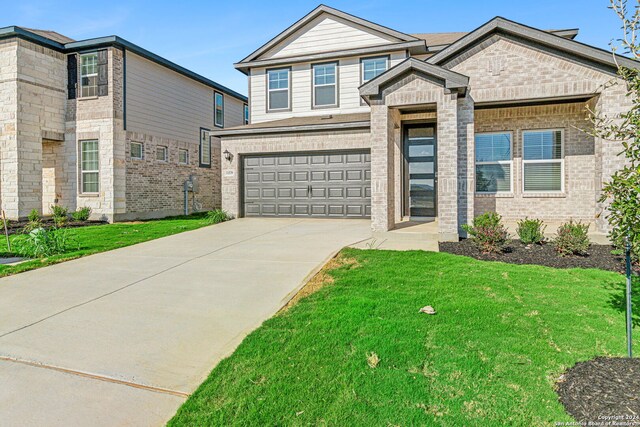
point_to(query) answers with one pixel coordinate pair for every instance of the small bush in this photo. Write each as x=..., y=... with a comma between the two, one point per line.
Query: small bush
x=488, y=232
x=572, y=239
x=41, y=243
x=531, y=231
x=34, y=216
x=60, y=215
x=217, y=216
x=34, y=222
x=82, y=214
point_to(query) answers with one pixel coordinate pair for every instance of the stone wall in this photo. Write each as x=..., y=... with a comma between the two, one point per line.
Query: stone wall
x=155, y=187
x=278, y=143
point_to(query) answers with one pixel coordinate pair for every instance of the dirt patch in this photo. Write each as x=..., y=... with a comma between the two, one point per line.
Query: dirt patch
x=320, y=279
x=601, y=390
x=17, y=227
x=599, y=256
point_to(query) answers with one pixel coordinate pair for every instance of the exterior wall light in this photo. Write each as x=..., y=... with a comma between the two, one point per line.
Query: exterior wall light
x=228, y=155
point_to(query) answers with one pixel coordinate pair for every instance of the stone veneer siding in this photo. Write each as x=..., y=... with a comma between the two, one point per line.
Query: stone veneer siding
x=278, y=143
x=155, y=188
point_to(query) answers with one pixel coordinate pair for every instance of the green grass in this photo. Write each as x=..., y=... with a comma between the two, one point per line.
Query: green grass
x=100, y=238
x=490, y=356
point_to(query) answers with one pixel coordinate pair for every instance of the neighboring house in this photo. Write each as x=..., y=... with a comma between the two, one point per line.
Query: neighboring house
x=353, y=119
x=106, y=124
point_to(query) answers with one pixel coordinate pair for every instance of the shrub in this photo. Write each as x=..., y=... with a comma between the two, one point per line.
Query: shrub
x=488, y=232
x=572, y=239
x=217, y=216
x=60, y=215
x=34, y=222
x=531, y=231
x=41, y=243
x=82, y=214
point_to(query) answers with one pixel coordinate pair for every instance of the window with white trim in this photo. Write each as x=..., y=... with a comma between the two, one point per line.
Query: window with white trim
x=325, y=87
x=205, y=148
x=89, y=166
x=494, y=162
x=89, y=74
x=246, y=114
x=218, y=109
x=183, y=156
x=542, y=161
x=137, y=150
x=278, y=89
x=162, y=153
x=373, y=67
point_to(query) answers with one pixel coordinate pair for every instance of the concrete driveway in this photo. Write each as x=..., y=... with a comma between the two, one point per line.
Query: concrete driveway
x=123, y=337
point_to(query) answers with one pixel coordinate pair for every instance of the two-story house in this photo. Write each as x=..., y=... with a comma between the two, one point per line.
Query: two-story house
x=349, y=118
x=106, y=124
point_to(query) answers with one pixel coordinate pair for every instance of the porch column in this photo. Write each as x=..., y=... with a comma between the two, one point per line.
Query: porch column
x=448, y=167
x=384, y=122
x=466, y=162
x=611, y=103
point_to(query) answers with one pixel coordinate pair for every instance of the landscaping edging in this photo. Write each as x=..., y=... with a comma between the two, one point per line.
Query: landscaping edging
x=599, y=256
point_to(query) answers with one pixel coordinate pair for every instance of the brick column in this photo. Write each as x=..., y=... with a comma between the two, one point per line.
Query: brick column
x=383, y=124
x=448, y=167
x=466, y=159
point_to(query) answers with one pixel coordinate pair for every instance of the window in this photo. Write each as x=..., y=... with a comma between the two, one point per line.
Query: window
x=542, y=161
x=373, y=67
x=278, y=89
x=205, y=148
x=137, y=153
x=183, y=156
x=325, y=89
x=89, y=170
x=89, y=74
x=493, y=162
x=246, y=114
x=218, y=107
x=162, y=153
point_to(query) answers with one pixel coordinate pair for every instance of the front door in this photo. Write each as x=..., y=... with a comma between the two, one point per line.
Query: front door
x=420, y=171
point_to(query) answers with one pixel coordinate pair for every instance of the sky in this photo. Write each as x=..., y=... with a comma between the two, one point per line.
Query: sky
x=208, y=37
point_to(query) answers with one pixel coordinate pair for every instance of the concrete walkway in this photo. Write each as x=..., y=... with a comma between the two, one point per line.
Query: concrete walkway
x=123, y=337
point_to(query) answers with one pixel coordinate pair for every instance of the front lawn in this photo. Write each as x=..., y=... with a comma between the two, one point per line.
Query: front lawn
x=100, y=238
x=491, y=355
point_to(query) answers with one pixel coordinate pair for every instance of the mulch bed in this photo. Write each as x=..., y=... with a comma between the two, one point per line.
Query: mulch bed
x=603, y=389
x=599, y=256
x=17, y=227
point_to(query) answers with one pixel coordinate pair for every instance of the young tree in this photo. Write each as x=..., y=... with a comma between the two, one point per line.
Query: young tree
x=622, y=191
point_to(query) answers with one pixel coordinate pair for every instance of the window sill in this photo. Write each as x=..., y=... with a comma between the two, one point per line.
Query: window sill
x=544, y=195
x=88, y=98
x=495, y=195
x=88, y=195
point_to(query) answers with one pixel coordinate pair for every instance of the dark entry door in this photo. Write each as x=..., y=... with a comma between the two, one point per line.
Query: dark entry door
x=420, y=170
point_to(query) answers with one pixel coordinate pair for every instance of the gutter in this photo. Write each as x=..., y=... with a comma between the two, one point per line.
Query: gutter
x=292, y=129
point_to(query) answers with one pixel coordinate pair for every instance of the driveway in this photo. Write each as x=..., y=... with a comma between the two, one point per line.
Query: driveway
x=123, y=337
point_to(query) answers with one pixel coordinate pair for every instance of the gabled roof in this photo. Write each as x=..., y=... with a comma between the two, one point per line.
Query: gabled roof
x=322, y=9
x=450, y=79
x=544, y=38
x=51, y=35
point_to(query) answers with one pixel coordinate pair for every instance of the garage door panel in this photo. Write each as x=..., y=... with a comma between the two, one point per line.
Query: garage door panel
x=334, y=184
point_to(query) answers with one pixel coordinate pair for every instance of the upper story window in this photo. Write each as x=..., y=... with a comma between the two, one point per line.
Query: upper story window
x=373, y=67
x=542, y=160
x=218, y=109
x=325, y=87
x=494, y=162
x=246, y=114
x=278, y=89
x=89, y=74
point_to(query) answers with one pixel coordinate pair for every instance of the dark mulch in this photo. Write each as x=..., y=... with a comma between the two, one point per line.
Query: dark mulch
x=604, y=387
x=599, y=256
x=16, y=227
